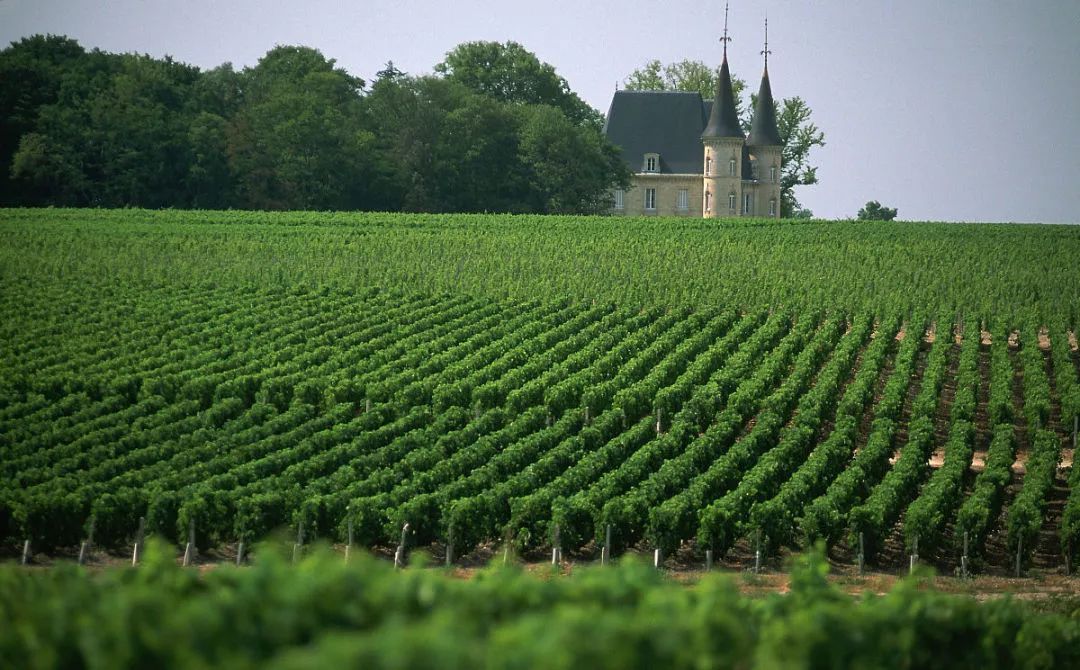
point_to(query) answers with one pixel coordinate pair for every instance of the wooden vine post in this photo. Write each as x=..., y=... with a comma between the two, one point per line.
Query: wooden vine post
x=189, y=550
x=349, y=539
x=450, y=546
x=298, y=548
x=605, y=552
x=137, y=549
x=964, y=558
x=399, y=554
x=84, y=548
x=757, y=551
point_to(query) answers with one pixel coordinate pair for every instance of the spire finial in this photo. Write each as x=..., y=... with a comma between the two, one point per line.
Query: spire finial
x=725, y=39
x=765, y=52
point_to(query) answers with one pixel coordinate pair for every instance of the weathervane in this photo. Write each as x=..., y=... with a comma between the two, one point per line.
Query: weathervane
x=766, y=51
x=725, y=39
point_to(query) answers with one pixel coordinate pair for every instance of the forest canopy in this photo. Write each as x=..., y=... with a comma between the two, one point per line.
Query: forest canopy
x=493, y=129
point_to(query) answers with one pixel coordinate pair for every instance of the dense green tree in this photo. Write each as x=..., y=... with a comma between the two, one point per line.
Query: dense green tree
x=494, y=130
x=800, y=135
x=685, y=75
x=209, y=180
x=452, y=149
x=510, y=73
x=477, y=158
x=32, y=72
x=875, y=211
x=298, y=141
x=408, y=115
x=48, y=174
x=116, y=137
x=570, y=170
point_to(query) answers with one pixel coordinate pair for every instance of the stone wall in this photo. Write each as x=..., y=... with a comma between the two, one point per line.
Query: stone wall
x=667, y=188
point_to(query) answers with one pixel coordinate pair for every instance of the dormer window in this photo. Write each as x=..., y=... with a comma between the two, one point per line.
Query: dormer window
x=652, y=163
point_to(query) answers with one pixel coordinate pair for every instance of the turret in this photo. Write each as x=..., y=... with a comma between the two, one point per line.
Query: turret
x=765, y=146
x=723, y=139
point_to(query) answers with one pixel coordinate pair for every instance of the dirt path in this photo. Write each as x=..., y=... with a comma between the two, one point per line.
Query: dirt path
x=982, y=413
x=1023, y=439
x=945, y=403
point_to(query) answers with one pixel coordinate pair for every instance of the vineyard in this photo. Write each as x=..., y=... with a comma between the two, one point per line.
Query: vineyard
x=324, y=613
x=596, y=386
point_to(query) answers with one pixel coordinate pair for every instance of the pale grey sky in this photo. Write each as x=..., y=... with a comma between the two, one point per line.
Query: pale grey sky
x=957, y=110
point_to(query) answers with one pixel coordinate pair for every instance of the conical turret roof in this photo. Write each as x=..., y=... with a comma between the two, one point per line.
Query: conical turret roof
x=724, y=120
x=763, y=131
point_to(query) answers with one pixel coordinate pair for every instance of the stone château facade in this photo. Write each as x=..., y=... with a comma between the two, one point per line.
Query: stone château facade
x=690, y=157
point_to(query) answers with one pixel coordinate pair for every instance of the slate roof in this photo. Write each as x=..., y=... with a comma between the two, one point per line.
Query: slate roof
x=665, y=122
x=724, y=120
x=763, y=131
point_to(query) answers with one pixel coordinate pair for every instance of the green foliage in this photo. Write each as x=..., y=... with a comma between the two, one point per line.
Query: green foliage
x=1012, y=271
x=537, y=378
x=322, y=613
x=509, y=73
x=874, y=211
x=1028, y=508
x=799, y=136
x=298, y=139
x=498, y=131
x=685, y=75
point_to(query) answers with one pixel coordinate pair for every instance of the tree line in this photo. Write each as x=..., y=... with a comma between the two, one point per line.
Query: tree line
x=492, y=129
x=90, y=128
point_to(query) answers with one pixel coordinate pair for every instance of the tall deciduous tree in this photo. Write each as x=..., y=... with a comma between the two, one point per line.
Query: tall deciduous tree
x=298, y=140
x=32, y=72
x=685, y=75
x=116, y=135
x=571, y=170
x=510, y=73
x=800, y=135
x=497, y=130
